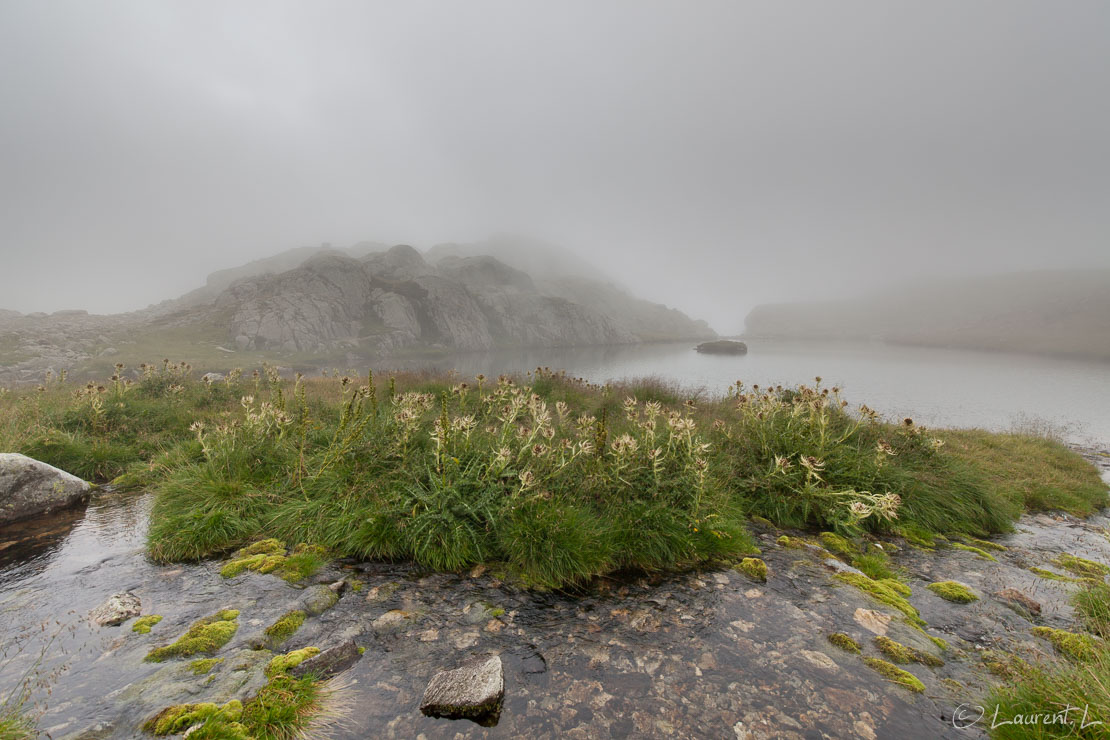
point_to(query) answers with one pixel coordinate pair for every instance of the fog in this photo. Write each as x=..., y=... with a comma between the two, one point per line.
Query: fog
x=709, y=155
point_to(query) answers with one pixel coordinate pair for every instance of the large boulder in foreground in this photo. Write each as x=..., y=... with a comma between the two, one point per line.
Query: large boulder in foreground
x=472, y=691
x=29, y=487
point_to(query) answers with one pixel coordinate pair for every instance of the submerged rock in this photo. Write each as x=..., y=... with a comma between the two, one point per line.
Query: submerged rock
x=116, y=610
x=472, y=691
x=29, y=487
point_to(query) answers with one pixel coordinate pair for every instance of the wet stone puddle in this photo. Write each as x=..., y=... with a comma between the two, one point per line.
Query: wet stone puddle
x=709, y=654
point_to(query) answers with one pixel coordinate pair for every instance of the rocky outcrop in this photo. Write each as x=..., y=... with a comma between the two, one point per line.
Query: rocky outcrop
x=395, y=299
x=29, y=487
x=473, y=691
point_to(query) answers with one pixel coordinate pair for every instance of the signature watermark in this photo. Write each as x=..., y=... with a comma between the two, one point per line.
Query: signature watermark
x=968, y=715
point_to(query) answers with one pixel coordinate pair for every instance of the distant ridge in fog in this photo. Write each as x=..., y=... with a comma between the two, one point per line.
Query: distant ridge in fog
x=1059, y=312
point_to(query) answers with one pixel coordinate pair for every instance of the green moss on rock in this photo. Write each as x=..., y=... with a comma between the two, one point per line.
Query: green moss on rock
x=282, y=663
x=837, y=544
x=900, y=653
x=896, y=586
x=1075, y=646
x=205, y=636
x=268, y=556
x=1043, y=573
x=883, y=594
x=844, y=642
x=285, y=626
x=1003, y=664
x=1082, y=566
x=893, y=673
x=794, y=543
x=978, y=551
x=753, y=568
x=957, y=593
x=142, y=625
x=987, y=544
x=204, y=665
x=180, y=717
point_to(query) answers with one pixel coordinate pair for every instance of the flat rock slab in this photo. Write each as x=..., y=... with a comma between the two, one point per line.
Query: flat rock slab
x=472, y=691
x=116, y=610
x=331, y=662
x=29, y=487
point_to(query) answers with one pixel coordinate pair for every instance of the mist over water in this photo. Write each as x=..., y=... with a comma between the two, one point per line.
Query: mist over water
x=935, y=387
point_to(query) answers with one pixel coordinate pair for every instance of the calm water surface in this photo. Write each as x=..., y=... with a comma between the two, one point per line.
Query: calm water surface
x=936, y=387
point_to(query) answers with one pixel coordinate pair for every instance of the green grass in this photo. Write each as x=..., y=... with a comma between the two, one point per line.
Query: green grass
x=16, y=726
x=1036, y=473
x=1081, y=679
x=279, y=711
x=556, y=480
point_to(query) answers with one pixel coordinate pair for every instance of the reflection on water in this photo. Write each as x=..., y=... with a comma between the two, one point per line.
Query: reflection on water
x=935, y=386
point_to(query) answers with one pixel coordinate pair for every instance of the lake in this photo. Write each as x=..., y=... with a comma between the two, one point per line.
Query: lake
x=935, y=386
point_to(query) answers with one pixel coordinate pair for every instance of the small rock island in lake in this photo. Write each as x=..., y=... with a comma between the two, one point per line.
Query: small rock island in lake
x=723, y=347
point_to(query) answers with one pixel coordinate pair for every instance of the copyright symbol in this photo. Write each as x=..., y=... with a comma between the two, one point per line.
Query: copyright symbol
x=967, y=715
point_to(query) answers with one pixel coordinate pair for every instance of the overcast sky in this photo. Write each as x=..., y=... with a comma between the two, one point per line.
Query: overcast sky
x=712, y=155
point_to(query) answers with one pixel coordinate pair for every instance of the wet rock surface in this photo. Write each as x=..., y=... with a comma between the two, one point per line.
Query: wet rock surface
x=704, y=654
x=472, y=691
x=116, y=610
x=29, y=487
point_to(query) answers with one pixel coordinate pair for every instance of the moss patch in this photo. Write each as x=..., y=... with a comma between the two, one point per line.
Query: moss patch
x=285, y=626
x=896, y=586
x=978, y=551
x=883, y=594
x=1052, y=576
x=837, y=544
x=180, y=717
x=900, y=653
x=954, y=592
x=282, y=663
x=987, y=545
x=893, y=673
x=1074, y=646
x=753, y=568
x=205, y=636
x=142, y=625
x=844, y=642
x=268, y=556
x=1003, y=664
x=794, y=543
x=1081, y=566
x=202, y=666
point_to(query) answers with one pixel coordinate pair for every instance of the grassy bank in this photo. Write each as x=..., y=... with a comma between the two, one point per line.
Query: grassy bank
x=551, y=478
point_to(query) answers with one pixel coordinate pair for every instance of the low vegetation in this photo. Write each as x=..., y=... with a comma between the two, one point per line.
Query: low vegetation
x=205, y=636
x=555, y=479
x=1074, y=689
